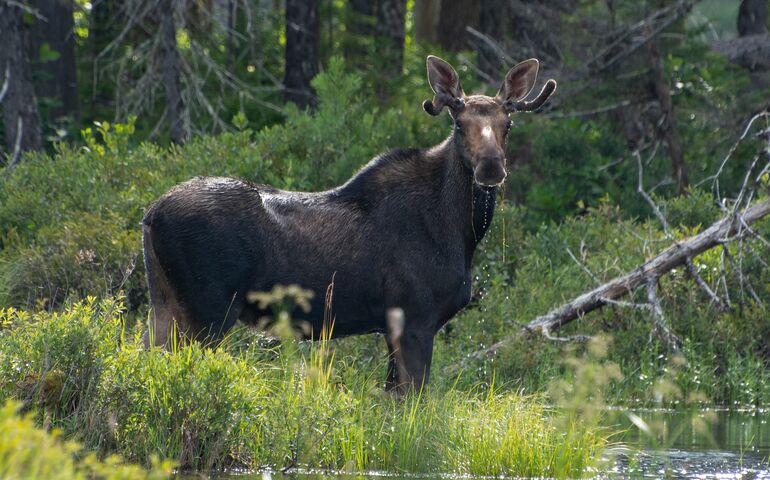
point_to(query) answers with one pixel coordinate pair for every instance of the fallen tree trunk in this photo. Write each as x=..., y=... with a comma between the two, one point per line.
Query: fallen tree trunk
x=727, y=229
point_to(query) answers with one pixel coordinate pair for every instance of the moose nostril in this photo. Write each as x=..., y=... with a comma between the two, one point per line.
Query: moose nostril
x=490, y=173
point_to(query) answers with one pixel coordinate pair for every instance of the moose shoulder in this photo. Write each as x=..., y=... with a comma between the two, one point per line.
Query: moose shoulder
x=400, y=234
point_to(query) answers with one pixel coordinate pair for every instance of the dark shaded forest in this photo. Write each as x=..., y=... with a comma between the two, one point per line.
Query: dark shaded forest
x=186, y=67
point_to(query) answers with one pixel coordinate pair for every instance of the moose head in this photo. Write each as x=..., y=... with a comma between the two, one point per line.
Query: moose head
x=482, y=122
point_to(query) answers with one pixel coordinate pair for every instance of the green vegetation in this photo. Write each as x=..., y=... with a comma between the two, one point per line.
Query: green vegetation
x=725, y=352
x=70, y=228
x=27, y=451
x=73, y=298
x=245, y=405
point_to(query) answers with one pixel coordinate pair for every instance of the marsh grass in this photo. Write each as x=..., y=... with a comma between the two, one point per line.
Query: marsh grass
x=236, y=406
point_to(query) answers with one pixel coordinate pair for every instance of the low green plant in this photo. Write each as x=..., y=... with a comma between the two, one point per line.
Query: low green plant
x=27, y=451
x=236, y=406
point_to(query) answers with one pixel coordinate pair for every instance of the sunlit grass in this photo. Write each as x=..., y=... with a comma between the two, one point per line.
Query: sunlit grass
x=27, y=451
x=242, y=406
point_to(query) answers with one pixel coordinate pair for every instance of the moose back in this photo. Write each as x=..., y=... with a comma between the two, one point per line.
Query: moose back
x=400, y=233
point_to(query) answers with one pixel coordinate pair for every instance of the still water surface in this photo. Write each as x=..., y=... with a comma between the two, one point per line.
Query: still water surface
x=706, y=444
x=718, y=444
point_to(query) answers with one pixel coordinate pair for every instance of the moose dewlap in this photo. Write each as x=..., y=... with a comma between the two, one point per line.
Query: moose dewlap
x=400, y=233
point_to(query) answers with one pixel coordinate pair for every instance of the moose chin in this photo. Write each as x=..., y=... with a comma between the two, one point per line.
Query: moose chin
x=400, y=233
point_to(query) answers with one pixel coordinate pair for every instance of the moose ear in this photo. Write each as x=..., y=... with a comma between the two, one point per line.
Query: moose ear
x=519, y=81
x=445, y=83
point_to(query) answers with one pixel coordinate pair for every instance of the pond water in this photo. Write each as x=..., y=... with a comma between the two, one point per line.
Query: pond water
x=719, y=444
x=706, y=444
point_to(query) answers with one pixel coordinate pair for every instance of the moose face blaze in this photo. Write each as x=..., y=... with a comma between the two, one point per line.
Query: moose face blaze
x=482, y=122
x=481, y=128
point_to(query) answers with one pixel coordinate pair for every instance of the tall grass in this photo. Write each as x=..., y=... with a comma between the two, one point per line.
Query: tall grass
x=242, y=406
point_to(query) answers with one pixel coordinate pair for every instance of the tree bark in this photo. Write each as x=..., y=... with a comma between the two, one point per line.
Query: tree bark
x=453, y=19
x=752, y=17
x=56, y=79
x=426, y=13
x=302, y=27
x=668, y=127
x=726, y=229
x=752, y=31
x=20, y=115
x=169, y=58
x=391, y=15
x=360, y=26
x=491, y=24
x=104, y=22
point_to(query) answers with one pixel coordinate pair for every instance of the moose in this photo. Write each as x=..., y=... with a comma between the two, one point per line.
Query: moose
x=400, y=234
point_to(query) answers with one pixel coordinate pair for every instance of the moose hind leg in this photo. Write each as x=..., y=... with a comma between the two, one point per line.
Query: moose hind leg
x=166, y=314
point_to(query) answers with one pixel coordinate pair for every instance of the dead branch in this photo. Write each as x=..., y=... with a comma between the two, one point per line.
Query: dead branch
x=592, y=112
x=499, y=51
x=660, y=328
x=691, y=270
x=6, y=82
x=639, y=35
x=715, y=178
x=729, y=228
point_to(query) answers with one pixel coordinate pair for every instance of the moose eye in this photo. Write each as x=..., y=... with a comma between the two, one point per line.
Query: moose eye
x=458, y=125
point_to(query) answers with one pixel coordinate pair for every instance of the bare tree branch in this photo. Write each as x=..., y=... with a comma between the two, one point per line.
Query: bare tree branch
x=693, y=272
x=500, y=51
x=582, y=266
x=661, y=328
x=724, y=230
x=571, y=338
x=27, y=9
x=640, y=35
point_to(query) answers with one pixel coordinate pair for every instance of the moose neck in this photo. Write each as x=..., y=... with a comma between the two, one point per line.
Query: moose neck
x=467, y=205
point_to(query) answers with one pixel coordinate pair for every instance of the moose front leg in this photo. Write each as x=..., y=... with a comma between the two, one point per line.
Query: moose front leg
x=411, y=350
x=416, y=356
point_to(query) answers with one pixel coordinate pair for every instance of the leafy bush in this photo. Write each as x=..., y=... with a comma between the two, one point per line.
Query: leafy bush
x=27, y=451
x=53, y=363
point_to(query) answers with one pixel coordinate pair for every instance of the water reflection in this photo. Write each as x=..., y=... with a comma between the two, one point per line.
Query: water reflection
x=719, y=444
x=706, y=444
x=729, y=431
x=675, y=463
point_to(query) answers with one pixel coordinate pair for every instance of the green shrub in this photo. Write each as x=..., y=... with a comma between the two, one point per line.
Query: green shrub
x=54, y=363
x=27, y=451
